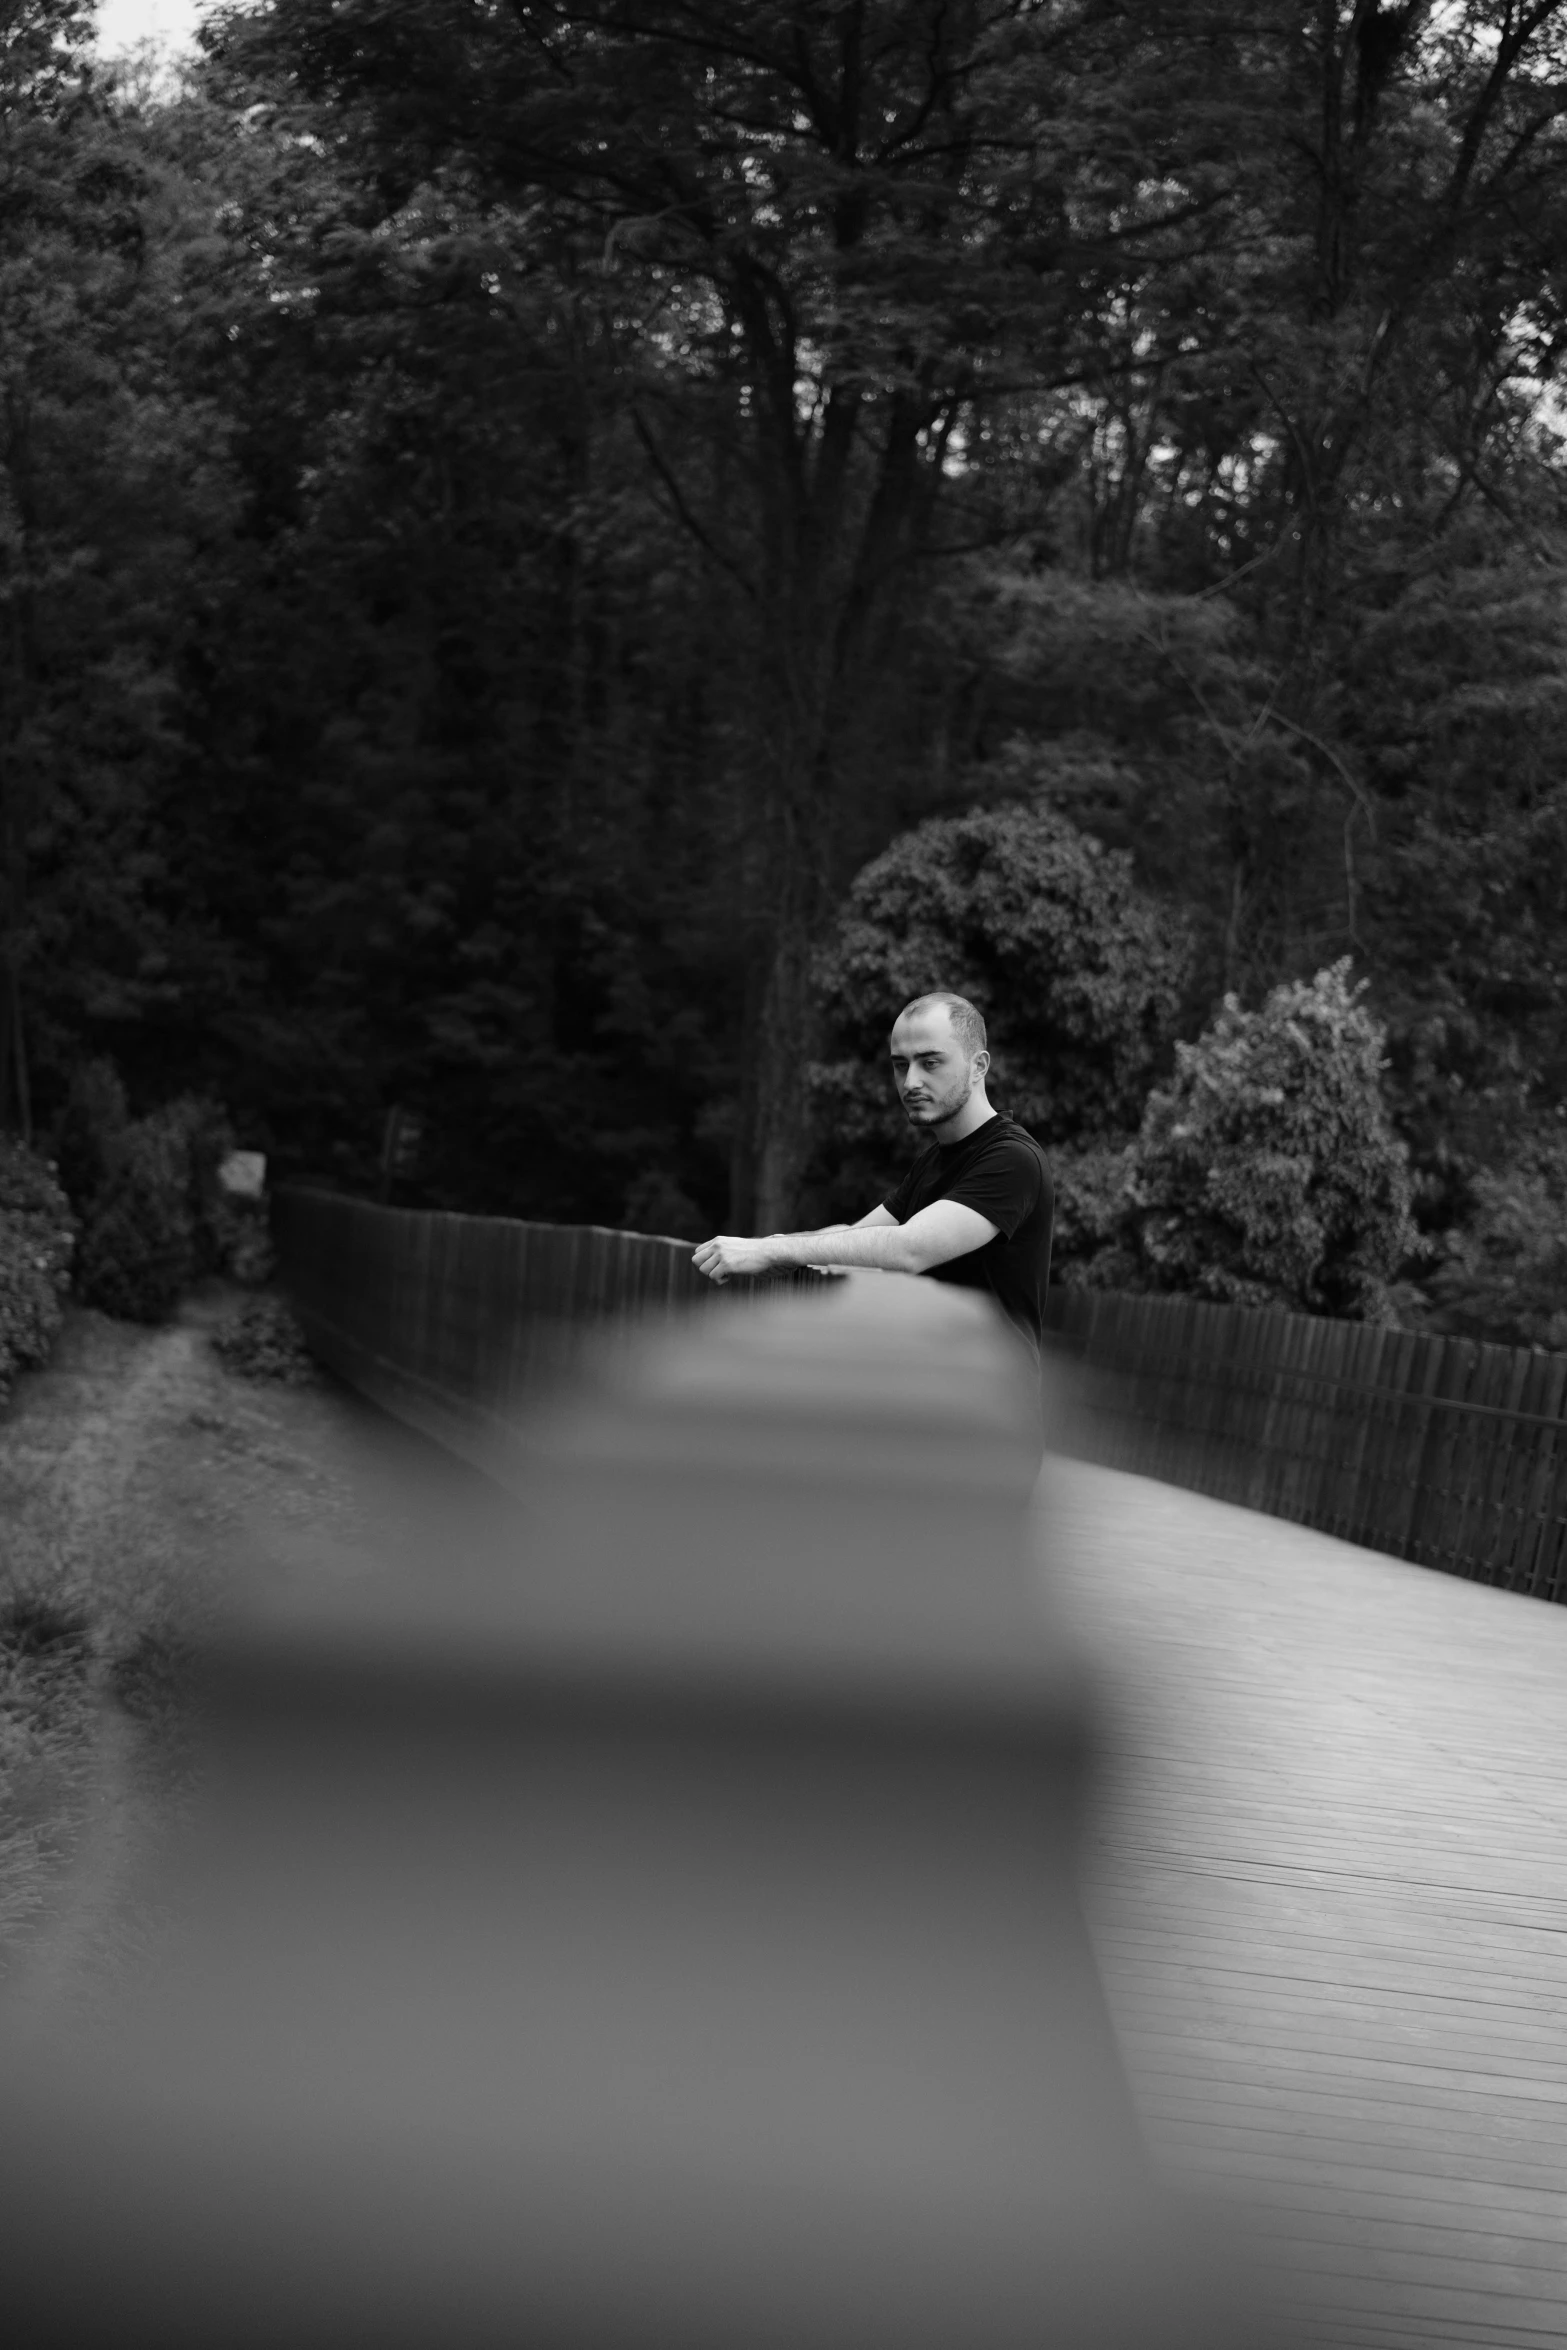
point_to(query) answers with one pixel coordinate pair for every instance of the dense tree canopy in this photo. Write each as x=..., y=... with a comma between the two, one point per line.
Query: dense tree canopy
x=506, y=510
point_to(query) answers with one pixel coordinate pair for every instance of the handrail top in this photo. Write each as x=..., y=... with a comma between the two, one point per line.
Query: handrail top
x=710, y=1515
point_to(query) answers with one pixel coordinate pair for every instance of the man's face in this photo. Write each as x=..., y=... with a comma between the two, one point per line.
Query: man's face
x=933, y=1074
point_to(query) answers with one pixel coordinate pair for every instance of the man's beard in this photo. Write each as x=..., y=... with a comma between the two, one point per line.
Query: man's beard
x=936, y=1113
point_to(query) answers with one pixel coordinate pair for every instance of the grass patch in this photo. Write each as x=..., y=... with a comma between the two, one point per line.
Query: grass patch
x=45, y=1658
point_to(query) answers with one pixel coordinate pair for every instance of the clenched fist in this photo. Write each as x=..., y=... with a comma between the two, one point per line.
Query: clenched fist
x=723, y=1258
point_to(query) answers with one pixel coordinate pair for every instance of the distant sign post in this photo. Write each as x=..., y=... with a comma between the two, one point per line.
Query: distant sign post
x=243, y=1175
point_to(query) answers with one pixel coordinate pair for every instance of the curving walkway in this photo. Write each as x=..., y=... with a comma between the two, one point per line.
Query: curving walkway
x=1327, y=1882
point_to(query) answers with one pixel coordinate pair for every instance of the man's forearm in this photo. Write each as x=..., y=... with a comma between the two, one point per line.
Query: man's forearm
x=883, y=1247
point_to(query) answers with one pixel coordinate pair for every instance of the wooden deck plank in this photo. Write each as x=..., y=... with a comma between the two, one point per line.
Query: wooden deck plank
x=1326, y=1876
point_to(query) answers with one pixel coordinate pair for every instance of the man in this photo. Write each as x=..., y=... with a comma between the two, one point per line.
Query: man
x=976, y=1208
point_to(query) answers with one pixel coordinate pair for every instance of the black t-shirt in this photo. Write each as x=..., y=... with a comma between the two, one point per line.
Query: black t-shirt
x=999, y=1171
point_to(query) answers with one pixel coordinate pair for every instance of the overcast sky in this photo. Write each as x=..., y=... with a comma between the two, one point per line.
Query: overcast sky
x=122, y=22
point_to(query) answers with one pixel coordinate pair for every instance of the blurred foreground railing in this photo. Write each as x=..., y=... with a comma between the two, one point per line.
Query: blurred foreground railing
x=656, y=1928
x=1441, y=1450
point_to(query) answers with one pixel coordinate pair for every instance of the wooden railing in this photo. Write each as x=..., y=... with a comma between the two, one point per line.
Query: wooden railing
x=1441, y=1450
x=451, y=1322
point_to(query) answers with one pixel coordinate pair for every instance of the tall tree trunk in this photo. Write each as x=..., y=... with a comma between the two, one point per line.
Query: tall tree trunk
x=792, y=899
x=16, y=1038
x=18, y=669
x=15, y=1092
x=834, y=581
x=7, y=1036
x=781, y=1047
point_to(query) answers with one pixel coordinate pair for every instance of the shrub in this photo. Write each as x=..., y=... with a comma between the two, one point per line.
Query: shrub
x=1503, y=1274
x=157, y=1227
x=262, y=1340
x=248, y=1254
x=1079, y=975
x=1093, y=1198
x=37, y=1241
x=1267, y=1172
x=209, y=1138
x=91, y=1129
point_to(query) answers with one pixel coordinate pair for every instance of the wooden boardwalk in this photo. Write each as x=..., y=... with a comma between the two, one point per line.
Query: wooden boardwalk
x=1327, y=1882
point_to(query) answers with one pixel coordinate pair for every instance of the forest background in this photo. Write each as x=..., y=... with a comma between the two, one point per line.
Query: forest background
x=507, y=510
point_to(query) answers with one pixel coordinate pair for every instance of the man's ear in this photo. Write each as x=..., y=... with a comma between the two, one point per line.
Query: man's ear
x=982, y=1061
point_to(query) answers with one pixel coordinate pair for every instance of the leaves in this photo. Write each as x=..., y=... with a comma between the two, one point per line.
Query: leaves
x=37, y=1245
x=1267, y=1171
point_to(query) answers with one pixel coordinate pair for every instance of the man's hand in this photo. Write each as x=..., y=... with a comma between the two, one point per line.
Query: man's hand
x=723, y=1258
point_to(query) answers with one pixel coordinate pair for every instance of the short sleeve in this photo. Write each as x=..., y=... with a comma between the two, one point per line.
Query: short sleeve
x=1004, y=1187
x=896, y=1202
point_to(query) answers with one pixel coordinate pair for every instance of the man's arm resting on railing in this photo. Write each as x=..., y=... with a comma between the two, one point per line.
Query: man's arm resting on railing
x=937, y=1234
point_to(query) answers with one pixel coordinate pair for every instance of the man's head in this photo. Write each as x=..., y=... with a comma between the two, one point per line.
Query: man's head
x=939, y=1058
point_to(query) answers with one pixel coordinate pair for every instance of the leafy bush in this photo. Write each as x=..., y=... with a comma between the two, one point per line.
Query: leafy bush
x=91, y=1129
x=1093, y=1199
x=37, y=1241
x=1078, y=973
x=157, y=1225
x=1267, y=1172
x=248, y=1254
x=262, y=1340
x=1503, y=1274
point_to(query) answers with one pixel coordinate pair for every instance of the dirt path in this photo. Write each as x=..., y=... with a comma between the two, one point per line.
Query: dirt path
x=137, y=1477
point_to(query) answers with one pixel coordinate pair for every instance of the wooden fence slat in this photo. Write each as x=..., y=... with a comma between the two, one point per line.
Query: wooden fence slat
x=1467, y=1534
x=1276, y=1361
x=1287, y=1356
x=1416, y=1461
x=1210, y=1360
x=1550, y=1567
x=1301, y=1342
x=1507, y=1383
x=1260, y=1409
x=1157, y=1319
x=1442, y=1481
x=1387, y=1501
x=1539, y=1545
x=466, y=1310
x=1353, y=1428
x=1378, y=1418
x=1474, y=1532
x=1319, y=1469
x=1206, y=1371
x=1324, y=1475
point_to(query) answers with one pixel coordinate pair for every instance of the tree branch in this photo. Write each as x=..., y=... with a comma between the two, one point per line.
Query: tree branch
x=677, y=499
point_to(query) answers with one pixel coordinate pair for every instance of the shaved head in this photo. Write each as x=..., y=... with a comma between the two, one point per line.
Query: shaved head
x=939, y=1060
x=968, y=1022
